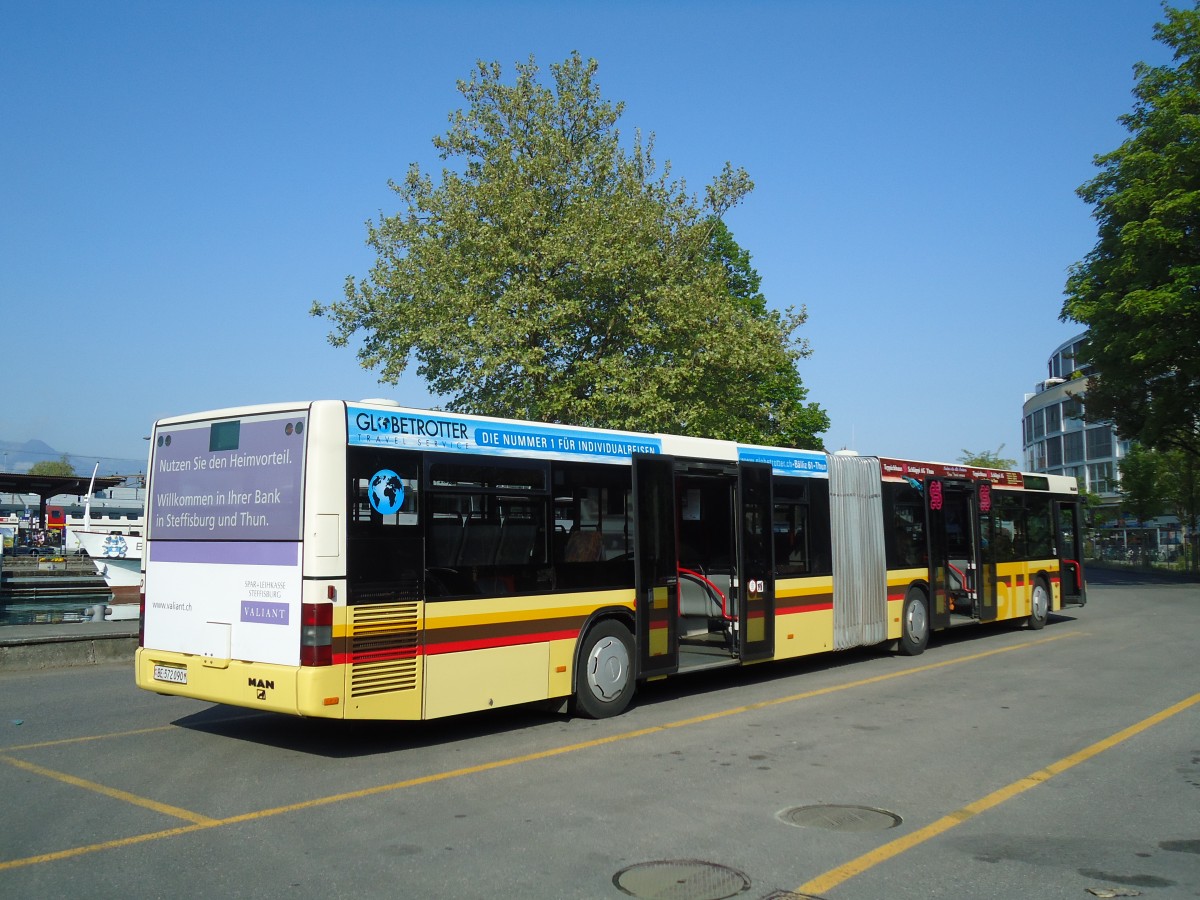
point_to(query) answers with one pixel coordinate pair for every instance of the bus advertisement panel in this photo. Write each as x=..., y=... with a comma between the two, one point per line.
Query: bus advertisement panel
x=224, y=521
x=427, y=431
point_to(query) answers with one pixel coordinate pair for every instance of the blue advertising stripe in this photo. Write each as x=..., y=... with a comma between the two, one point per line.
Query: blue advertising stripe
x=409, y=430
x=805, y=463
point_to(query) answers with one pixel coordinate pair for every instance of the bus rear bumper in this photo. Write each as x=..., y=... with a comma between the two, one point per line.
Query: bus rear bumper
x=291, y=690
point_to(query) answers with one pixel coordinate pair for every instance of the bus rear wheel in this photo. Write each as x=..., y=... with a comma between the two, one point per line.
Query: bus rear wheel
x=914, y=623
x=604, y=684
x=1039, y=605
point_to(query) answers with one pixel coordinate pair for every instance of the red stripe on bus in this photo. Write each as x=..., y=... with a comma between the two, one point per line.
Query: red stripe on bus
x=807, y=607
x=507, y=641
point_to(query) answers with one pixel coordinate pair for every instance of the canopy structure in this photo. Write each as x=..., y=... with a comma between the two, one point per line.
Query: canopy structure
x=47, y=486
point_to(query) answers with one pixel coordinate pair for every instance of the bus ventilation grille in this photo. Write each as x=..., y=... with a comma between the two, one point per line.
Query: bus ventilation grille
x=383, y=648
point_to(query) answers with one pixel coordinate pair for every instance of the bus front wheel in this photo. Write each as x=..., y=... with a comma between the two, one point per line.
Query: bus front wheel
x=604, y=684
x=1039, y=605
x=914, y=623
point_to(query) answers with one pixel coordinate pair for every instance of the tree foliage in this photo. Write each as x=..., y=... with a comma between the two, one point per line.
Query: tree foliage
x=1154, y=482
x=1138, y=290
x=1141, y=483
x=987, y=459
x=555, y=275
x=61, y=466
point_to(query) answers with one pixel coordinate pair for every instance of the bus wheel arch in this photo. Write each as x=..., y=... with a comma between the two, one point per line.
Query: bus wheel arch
x=1039, y=603
x=914, y=621
x=604, y=676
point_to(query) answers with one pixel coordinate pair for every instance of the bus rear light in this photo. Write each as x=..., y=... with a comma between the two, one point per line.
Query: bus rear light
x=142, y=616
x=316, y=634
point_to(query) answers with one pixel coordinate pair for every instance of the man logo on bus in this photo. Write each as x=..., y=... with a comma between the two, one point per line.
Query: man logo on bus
x=386, y=492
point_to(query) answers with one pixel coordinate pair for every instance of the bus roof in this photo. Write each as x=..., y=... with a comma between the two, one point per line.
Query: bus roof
x=380, y=422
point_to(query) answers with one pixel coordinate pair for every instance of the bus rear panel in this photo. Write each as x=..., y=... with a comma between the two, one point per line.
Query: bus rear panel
x=225, y=612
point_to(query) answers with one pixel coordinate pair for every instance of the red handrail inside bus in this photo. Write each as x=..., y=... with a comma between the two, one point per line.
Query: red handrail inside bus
x=962, y=578
x=1075, y=569
x=721, y=594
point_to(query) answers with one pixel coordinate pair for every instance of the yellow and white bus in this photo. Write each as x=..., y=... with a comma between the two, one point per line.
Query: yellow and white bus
x=361, y=560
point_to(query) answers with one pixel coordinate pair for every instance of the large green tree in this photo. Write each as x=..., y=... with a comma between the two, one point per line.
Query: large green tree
x=987, y=459
x=1142, y=483
x=556, y=274
x=61, y=466
x=1138, y=290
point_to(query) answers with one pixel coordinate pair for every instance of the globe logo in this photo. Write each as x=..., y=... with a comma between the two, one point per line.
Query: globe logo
x=386, y=492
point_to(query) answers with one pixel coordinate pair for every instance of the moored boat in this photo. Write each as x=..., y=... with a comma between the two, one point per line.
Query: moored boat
x=118, y=559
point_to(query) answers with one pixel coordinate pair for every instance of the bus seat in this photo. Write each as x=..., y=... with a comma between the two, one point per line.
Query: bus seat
x=445, y=540
x=584, y=546
x=479, y=544
x=516, y=543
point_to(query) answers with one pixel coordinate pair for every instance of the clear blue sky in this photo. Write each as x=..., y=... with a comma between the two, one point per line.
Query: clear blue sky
x=179, y=181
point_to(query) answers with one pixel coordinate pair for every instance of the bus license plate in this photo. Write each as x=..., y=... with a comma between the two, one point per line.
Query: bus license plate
x=173, y=674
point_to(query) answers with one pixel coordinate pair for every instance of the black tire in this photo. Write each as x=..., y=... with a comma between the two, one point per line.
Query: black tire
x=604, y=683
x=1039, y=605
x=914, y=623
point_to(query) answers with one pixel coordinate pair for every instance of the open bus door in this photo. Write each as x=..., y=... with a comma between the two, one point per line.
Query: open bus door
x=962, y=579
x=756, y=562
x=1068, y=518
x=656, y=575
x=939, y=555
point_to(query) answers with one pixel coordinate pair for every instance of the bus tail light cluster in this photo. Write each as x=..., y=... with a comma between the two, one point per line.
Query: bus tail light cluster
x=316, y=634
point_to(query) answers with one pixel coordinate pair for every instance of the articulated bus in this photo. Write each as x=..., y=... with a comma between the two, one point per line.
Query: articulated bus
x=360, y=560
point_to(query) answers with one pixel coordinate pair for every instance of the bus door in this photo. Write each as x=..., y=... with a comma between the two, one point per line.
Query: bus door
x=656, y=576
x=756, y=562
x=1068, y=520
x=985, y=606
x=953, y=550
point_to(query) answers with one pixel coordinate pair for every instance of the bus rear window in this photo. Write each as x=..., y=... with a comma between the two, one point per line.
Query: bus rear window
x=224, y=436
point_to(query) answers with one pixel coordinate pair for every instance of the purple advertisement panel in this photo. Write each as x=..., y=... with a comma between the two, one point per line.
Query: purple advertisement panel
x=229, y=479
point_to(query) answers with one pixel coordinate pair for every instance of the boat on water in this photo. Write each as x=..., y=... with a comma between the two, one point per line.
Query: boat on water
x=118, y=559
x=117, y=556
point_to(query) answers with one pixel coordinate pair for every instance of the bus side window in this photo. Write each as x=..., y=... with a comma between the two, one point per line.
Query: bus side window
x=1008, y=528
x=383, y=536
x=904, y=526
x=1040, y=530
x=801, y=527
x=593, y=527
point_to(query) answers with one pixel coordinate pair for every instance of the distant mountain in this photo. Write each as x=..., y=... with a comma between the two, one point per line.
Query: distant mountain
x=16, y=457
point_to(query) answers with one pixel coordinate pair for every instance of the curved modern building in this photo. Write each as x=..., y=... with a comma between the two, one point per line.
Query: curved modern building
x=1056, y=438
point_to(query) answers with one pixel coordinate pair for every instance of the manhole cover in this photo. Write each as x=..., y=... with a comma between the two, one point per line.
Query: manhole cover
x=681, y=879
x=833, y=817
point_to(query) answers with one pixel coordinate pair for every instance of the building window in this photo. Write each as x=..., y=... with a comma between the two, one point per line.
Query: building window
x=1073, y=447
x=1072, y=408
x=1100, y=478
x=1100, y=442
x=1039, y=456
x=1039, y=424
x=1053, y=419
x=1054, y=452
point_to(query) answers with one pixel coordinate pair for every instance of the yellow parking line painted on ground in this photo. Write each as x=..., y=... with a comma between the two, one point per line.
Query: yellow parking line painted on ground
x=205, y=822
x=116, y=794
x=106, y=845
x=85, y=738
x=842, y=873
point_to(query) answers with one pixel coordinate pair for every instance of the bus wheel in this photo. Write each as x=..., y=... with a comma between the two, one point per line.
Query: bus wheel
x=914, y=623
x=1039, y=605
x=604, y=685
